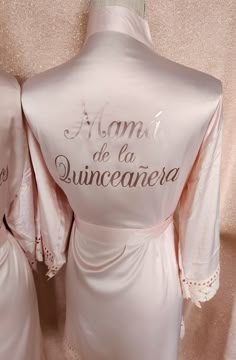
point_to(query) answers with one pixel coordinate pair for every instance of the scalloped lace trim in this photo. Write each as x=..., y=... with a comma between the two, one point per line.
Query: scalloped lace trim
x=39, y=249
x=70, y=352
x=49, y=260
x=44, y=254
x=200, y=291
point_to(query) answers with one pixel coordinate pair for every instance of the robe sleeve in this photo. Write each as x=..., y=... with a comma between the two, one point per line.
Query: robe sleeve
x=55, y=215
x=21, y=217
x=198, y=218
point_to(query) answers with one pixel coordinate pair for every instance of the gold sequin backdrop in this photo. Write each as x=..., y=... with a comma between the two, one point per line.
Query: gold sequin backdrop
x=38, y=34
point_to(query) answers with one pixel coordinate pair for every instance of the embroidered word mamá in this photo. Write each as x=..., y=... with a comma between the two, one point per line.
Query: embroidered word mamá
x=3, y=175
x=93, y=127
x=141, y=178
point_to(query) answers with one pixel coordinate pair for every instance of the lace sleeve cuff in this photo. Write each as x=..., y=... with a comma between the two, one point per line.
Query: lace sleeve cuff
x=53, y=262
x=200, y=291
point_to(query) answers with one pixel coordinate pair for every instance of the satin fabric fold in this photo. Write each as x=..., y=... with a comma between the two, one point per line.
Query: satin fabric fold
x=20, y=333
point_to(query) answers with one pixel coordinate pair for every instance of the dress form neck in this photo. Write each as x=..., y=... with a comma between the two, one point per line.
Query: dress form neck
x=136, y=5
x=121, y=19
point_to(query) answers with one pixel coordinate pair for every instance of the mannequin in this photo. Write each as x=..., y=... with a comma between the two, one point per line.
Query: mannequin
x=129, y=137
x=137, y=5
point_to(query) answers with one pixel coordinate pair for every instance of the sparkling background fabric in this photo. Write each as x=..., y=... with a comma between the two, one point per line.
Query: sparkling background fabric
x=39, y=34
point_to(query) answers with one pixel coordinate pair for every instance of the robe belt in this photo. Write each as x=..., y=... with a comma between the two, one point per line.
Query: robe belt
x=117, y=236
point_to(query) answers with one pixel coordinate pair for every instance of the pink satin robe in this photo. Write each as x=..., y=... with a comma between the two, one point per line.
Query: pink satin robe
x=20, y=335
x=131, y=138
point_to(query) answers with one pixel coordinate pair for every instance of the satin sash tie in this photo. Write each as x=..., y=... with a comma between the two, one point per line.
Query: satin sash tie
x=118, y=236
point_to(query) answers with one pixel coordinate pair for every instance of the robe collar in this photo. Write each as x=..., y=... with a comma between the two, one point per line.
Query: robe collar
x=119, y=19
